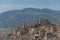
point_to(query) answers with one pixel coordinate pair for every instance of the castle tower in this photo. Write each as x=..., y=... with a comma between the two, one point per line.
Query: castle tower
x=23, y=25
x=38, y=21
x=43, y=22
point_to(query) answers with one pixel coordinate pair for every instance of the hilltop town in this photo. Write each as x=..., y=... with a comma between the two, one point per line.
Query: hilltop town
x=43, y=29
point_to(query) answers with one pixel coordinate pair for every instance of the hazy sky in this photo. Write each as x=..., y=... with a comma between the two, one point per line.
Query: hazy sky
x=20, y=4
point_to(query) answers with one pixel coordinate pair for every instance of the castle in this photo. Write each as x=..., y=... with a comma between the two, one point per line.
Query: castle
x=41, y=30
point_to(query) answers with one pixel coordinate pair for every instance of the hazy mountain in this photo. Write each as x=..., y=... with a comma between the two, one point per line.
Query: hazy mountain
x=15, y=18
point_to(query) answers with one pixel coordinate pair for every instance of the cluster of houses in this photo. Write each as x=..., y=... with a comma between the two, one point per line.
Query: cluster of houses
x=42, y=30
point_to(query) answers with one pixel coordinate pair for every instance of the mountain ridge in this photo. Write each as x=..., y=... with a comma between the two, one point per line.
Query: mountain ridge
x=16, y=18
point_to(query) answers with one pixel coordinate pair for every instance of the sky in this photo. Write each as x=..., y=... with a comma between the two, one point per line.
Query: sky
x=6, y=5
